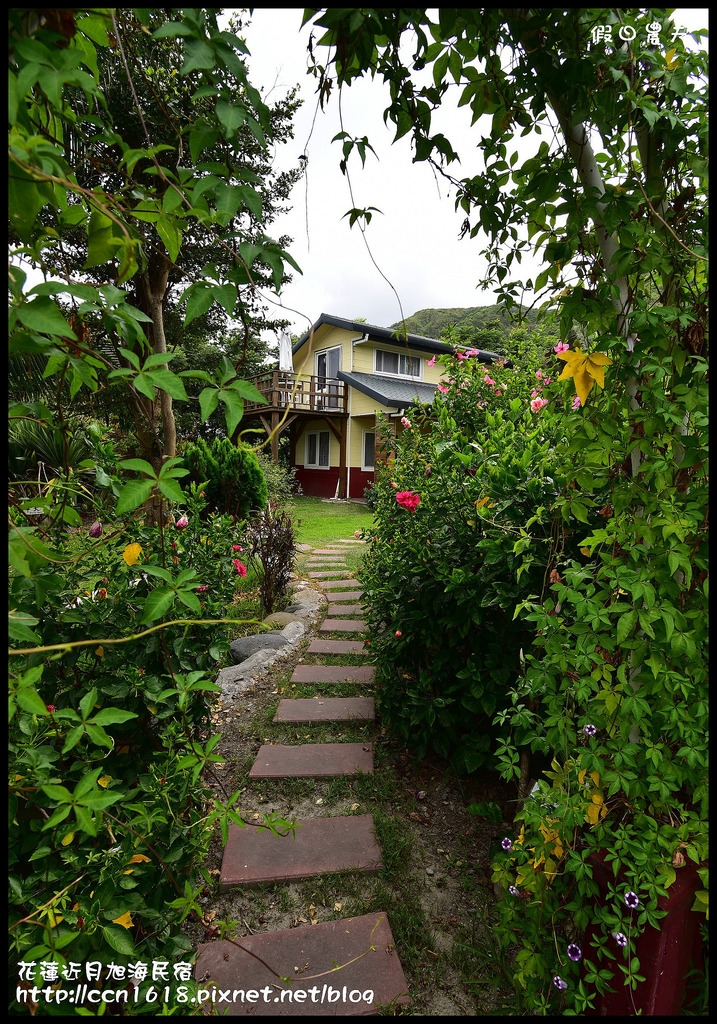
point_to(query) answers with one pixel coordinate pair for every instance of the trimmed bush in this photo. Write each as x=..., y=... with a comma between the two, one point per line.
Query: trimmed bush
x=233, y=479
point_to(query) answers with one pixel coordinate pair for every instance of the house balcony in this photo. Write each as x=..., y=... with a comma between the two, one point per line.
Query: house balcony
x=300, y=395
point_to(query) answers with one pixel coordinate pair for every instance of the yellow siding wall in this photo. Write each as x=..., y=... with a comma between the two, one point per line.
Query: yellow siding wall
x=317, y=424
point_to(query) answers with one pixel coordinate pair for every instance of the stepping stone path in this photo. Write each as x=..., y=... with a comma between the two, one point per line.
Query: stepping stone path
x=371, y=976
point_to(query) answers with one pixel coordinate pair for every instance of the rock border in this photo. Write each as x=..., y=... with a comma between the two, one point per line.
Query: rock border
x=307, y=607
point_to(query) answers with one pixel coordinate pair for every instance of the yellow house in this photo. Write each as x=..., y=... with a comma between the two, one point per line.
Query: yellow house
x=346, y=374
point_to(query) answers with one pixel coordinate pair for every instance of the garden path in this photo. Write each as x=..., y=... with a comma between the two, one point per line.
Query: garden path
x=362, y=946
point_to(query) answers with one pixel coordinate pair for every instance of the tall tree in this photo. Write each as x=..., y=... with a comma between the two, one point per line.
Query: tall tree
x=151, y=124
x=611, y=108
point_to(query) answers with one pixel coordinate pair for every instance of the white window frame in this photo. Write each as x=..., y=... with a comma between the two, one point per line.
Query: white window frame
x=317, y=434
x=325, y=352
x=399, y=376
x=364, y=467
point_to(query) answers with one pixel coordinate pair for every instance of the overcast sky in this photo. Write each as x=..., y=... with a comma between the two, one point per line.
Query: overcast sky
x=415, y=241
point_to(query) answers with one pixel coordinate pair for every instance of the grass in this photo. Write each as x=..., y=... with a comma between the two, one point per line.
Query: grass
x=325, y=521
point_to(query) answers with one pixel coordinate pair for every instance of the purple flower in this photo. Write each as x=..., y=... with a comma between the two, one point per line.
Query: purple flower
x=96, y=530
x=632, y=900
x=574, y=952
x=559, y=983
x=513, y=891
x=589, y=730
x=620, y=938
x=507, y=844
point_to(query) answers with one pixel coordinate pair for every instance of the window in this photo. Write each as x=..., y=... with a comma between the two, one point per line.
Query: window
x=368, y=450
x=397, y=363
x=328, y=362
x=316, y=455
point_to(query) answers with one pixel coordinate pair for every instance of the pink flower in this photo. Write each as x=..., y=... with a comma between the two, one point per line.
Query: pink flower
x=200, y=590
x=405, y=422
x=398, y=632
x=357, y=533
x=236, y=547
x=182, y=523
x=408, y=499
x=472, y=351
x=241, y=569
x=576, y=402
x=431, y=362
x=537, y=404
x=562, y=346
x=442, y=389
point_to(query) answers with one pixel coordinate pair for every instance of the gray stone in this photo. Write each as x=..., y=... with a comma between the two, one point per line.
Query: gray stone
x=280, y=619
x=245, y=646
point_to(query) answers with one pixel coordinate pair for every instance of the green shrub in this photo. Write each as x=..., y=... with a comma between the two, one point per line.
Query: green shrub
x=108, y=720
x=281, y=483
x=441, y=581
x=234, y=481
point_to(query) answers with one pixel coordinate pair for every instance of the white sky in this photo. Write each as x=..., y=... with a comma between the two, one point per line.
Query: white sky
x=415, y=240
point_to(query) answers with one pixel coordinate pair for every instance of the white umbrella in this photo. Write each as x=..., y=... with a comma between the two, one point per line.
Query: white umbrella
x=285, y=355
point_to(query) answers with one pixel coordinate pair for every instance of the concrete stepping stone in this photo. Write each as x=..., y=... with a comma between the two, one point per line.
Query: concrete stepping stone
x=312, y=761
x=343, y=609
x=333, y=674
x=320, y=846
x=337, y=647
x=362, y=947
x=332, y=584
x=325, y=709
x=342, y=626
x=327, y=574
x=329, y=551
x=349, y=540
x=345, y=595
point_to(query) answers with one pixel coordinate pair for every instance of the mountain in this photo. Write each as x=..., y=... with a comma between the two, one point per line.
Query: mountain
x=430, y=323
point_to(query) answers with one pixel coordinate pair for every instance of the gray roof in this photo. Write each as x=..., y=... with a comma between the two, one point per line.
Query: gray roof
x=389, y=390
x=390, y=336
x=383, y=334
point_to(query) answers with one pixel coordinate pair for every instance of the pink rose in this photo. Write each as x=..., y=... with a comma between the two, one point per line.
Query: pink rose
x=241, y=569
x=236, y=547
x=182, y=523
x=537, y=404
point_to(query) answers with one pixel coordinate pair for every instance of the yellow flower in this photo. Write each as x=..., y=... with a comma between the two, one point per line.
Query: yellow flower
x=131, y=553
x=125, y=920
x=585, y=368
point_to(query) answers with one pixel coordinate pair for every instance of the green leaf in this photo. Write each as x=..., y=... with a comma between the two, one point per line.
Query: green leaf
x=119, y=938
x=43, y=315
x=234, y=410
x=208, y=401
x=158, y=602
x=168, y=231
x=133, y=494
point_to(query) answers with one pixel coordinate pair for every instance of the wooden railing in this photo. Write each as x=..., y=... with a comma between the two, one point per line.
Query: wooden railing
x=303, y=394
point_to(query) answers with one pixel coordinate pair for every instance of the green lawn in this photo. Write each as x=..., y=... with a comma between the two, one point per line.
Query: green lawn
x=326, y=521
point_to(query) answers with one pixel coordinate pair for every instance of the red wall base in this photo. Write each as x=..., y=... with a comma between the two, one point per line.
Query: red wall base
x=318, y=483
x=321, y=483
